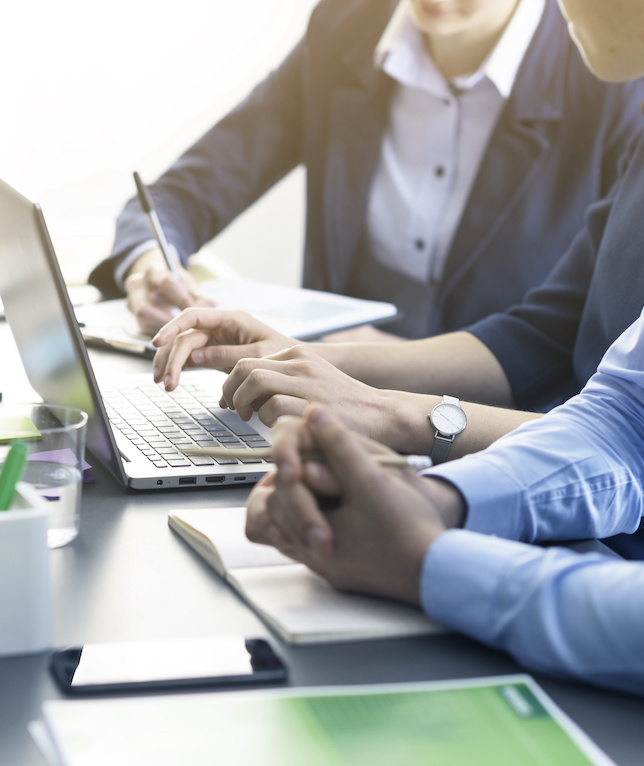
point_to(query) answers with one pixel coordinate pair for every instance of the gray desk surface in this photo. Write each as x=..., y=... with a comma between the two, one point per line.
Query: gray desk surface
x=127, y=576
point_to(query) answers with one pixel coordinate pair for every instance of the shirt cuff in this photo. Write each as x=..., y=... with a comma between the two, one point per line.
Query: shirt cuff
x=461, y=577
x=123, y=267
x=493, y=497
x=121, y=270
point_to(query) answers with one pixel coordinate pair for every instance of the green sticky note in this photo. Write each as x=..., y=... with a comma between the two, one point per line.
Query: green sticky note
x=17, y=427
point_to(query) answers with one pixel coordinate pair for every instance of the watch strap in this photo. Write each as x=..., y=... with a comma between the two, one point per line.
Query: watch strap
x=441, y=448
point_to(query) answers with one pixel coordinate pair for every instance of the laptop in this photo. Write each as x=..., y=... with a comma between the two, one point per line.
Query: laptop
x=136, y=428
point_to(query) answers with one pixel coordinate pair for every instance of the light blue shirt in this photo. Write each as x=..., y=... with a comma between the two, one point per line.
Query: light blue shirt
x=576, y=473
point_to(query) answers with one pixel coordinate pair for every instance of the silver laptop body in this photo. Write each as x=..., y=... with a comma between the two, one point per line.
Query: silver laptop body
x=55, y=358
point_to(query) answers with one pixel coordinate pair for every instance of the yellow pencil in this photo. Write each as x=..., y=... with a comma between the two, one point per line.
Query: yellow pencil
x=417, y=462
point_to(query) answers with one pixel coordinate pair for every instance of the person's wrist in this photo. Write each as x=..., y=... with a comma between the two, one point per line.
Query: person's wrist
x=408, y=584
x=405, y=424
x=448, y=501
x=334, y=353
x=150, y=259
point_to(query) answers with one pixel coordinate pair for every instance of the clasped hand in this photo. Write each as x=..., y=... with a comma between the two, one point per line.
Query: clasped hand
x=384, y=520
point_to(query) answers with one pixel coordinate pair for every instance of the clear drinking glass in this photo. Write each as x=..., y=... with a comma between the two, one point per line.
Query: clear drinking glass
x=55, y=436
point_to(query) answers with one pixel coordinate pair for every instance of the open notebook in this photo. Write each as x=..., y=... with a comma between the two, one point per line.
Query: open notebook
x=293, y=601
x=293, y=311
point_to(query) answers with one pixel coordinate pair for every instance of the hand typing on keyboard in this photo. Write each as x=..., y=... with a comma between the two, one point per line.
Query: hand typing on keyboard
x=274, y=375
x=214, y=338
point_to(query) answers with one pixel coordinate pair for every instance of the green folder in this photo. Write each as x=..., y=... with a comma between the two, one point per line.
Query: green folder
x=501, y=721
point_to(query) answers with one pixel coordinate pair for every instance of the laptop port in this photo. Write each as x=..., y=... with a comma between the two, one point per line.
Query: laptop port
x=239, y=478
x=188, y=480
x=214, y=479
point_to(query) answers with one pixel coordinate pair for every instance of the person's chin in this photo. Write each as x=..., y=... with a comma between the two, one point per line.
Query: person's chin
x=435, y=11
x=612, y=71
x=435, y=20
x=606, y=63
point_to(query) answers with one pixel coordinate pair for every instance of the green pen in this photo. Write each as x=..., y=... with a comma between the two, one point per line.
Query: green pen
x=11, y=473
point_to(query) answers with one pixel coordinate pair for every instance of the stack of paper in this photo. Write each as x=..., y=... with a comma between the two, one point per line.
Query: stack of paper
x=292, y=311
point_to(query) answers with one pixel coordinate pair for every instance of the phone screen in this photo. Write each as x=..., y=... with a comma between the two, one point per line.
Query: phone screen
x=143, y=665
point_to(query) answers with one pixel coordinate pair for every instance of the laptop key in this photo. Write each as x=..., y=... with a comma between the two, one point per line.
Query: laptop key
x=232, y=420
x=201, y=460
x=181, y=441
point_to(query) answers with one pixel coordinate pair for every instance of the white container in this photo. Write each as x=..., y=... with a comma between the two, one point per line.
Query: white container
x=25, y=580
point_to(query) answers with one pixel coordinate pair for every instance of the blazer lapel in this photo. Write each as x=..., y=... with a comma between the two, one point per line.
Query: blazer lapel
x=357, y=119
x=518, y=146
x=512, y=159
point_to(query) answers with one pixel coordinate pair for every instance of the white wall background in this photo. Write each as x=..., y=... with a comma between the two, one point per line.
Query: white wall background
x=90, y=92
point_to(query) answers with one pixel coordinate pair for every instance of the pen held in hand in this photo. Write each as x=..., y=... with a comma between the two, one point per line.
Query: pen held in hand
x=145, y=198
x=417, y=462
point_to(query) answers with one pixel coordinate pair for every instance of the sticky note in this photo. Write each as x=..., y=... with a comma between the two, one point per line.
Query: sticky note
x=17, y=427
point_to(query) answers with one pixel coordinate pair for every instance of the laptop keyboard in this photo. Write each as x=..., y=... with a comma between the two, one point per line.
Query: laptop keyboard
x=161, y=424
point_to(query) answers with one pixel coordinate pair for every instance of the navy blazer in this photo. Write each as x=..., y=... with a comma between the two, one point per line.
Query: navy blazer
x=554, y=151
x=551, y=343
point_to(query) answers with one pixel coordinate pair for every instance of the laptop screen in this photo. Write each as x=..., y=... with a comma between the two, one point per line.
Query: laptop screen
x=43, y=324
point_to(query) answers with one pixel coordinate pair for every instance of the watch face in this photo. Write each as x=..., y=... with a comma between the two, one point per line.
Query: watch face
x=448, y=419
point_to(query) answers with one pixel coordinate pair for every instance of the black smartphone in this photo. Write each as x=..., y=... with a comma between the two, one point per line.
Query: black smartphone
x=171, y=665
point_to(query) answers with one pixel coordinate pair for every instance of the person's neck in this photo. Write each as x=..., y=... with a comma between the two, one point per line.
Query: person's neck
x=463, y=54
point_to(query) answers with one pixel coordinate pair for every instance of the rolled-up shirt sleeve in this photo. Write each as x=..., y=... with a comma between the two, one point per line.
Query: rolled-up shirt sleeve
x=553, y=610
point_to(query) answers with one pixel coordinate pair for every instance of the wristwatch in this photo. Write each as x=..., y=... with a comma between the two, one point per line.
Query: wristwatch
x=448, y=419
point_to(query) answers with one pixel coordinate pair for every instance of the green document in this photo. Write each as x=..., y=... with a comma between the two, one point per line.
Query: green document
x=483, y=725
x=501, y=721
